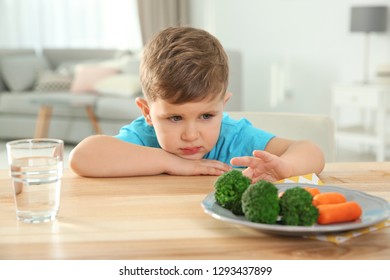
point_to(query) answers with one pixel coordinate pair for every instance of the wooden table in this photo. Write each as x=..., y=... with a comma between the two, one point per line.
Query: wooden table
x=160, y=217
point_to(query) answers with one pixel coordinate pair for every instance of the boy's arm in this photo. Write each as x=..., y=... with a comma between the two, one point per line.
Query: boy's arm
x=107, y=156
x=281, y=159
x=304, y=156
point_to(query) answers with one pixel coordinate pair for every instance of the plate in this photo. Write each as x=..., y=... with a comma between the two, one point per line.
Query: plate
x=375, y=210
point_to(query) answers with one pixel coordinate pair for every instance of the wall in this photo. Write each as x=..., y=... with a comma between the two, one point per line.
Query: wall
x=306, y=43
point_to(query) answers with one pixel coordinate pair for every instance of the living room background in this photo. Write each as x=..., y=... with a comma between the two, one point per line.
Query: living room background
x=309, y=40
x=306, y=42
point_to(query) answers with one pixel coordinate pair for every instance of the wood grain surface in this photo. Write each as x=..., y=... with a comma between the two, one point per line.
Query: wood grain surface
x=160, y=217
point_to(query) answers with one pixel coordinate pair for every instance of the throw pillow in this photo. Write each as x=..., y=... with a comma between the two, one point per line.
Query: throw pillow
x=68, y=67
x=2, y=86
x=125, y=85
x=124, y=63
x=52, y=81
x=86, y=76
x=20, y=71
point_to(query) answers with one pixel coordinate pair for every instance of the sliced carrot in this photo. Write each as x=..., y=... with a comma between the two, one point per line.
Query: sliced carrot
x=312, y=191
x=328, y=198
x=338, y=213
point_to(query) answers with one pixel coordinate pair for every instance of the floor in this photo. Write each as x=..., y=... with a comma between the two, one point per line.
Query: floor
x=342, y=155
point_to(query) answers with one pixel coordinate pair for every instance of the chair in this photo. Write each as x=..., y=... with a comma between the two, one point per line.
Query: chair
x=317, y=128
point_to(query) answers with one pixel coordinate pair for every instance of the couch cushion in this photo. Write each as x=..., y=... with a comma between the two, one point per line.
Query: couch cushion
x=69, y=67
x=86, y=76
x=124, y=85
x=56, y=57
x=2, y=86
x=132, y=65
x=115, y=108
x=52, y=81
x=20, y=71
x=8, y=52
x=127, y=63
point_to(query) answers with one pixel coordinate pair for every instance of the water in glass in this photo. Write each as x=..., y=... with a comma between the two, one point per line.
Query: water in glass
x=37, y=186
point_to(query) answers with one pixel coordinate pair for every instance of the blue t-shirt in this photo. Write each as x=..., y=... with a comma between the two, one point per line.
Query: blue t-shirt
x=237, y=138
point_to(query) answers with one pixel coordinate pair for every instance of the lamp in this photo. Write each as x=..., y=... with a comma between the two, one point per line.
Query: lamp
x=368, y=19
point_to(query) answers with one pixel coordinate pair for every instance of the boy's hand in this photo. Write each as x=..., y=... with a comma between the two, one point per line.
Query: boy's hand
x=189, y=167
x=264, y=166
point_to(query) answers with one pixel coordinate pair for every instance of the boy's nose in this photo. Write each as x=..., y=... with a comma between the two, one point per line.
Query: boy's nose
x=190, y=133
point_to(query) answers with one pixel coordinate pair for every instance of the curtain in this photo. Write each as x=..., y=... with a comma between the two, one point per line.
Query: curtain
x=155, y=15
x=69, y=24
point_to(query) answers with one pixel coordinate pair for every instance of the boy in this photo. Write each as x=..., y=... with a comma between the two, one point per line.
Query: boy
x=183, y=130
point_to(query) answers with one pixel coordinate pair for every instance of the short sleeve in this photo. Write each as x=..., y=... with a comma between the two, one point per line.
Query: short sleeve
x=139, y=133
x=238, y=138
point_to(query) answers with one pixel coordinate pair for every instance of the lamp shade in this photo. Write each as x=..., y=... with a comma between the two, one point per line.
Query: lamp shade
x=369, y=19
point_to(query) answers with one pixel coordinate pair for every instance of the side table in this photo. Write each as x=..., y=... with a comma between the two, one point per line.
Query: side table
x=47, y=102
x=372, y=103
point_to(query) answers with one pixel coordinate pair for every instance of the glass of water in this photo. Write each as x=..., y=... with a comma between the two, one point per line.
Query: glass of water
x=36, y=167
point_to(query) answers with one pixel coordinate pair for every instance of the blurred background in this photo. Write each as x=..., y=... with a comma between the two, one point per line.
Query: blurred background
x=291, y=53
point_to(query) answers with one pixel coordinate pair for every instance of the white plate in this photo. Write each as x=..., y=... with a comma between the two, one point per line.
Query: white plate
x=375, y=210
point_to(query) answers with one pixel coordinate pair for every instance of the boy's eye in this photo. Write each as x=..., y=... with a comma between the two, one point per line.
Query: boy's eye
x=175, y=118
x=206, y=116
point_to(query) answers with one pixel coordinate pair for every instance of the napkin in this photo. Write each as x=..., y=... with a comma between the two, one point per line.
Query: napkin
x=336, y=238
x=308, y=179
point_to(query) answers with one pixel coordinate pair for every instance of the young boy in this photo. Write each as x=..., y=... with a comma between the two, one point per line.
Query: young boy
x=183, y=130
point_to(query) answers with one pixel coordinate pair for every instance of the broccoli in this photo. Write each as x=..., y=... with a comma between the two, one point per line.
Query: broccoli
x=229, y=188
x=260, y=203
x=296, y=208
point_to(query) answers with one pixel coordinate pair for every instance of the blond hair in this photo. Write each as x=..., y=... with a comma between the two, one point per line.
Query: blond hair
x=184, y=64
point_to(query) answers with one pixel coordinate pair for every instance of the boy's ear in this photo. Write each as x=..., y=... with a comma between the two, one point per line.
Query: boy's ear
x=143, y=105
x=228, y=95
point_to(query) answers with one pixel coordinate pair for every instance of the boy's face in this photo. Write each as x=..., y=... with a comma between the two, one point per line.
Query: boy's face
x=189, y=130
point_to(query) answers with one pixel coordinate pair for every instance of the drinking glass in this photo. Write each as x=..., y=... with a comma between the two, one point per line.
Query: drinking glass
x=36, y=168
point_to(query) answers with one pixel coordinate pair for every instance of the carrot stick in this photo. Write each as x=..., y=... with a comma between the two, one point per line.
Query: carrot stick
x=313, y=191
x=328, y=198
x=338, y=213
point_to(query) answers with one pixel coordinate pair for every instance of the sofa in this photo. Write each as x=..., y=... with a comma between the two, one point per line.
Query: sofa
x=110, y=76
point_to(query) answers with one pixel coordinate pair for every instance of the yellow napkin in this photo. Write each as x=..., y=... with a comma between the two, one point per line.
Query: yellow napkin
x=336, y=238
x=308, y=179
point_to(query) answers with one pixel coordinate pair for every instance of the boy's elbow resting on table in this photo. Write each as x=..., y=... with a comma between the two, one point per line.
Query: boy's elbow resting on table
x=80, y=162
x=86, y=158
x=314, y=157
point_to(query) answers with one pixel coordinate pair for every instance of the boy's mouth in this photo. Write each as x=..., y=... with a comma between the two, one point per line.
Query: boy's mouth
x=190, y=150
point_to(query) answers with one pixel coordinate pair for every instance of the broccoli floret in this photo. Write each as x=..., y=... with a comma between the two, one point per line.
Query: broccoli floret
x=229, y=188
x=260, y=203
x=296, y=208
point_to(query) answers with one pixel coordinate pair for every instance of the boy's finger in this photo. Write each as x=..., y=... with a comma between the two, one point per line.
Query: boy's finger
x=220, y=165
x=244, y=161
x=265, y=156
x=248, y=172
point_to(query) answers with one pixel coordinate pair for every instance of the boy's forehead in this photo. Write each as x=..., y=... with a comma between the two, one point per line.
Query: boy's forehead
x=202, y=105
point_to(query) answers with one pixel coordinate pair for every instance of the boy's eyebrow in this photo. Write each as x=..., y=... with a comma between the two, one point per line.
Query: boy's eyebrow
x=212, y=112
x=167, y=115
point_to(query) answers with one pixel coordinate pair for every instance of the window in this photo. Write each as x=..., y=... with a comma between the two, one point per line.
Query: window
x=69, y=24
